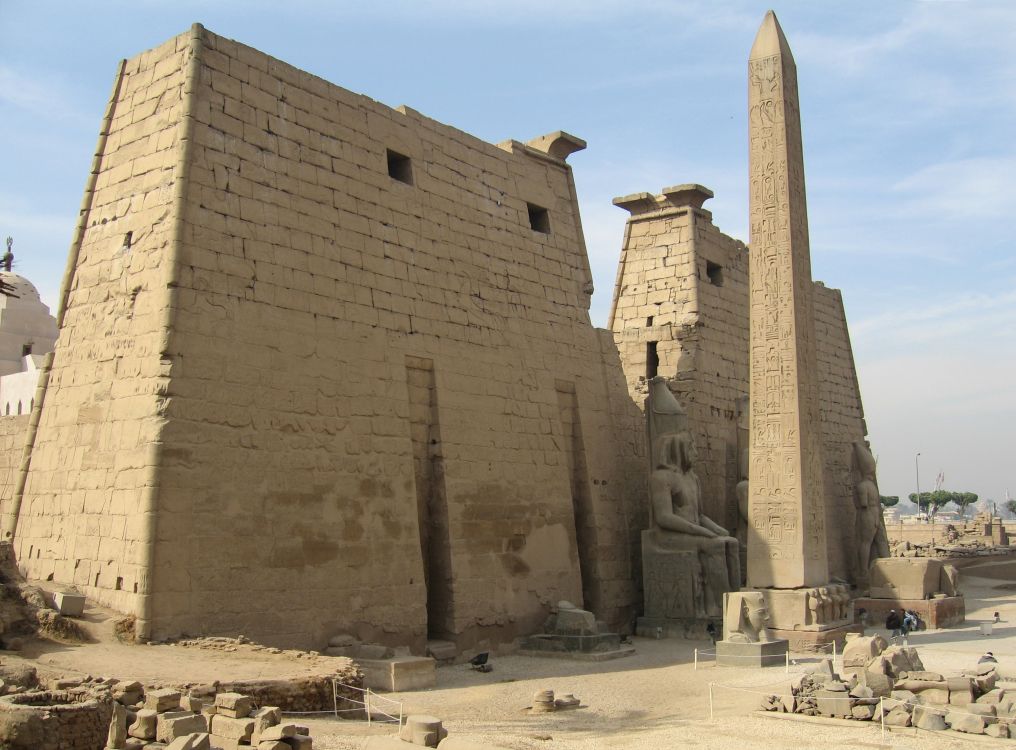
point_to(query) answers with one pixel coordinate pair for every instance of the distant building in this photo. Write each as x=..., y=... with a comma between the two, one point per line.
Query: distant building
x=27, y=334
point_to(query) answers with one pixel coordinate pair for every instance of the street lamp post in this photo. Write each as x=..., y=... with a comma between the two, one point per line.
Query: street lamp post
x=917, y=470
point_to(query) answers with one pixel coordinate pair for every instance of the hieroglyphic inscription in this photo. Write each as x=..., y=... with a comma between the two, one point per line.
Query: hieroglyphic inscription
x=786, y=542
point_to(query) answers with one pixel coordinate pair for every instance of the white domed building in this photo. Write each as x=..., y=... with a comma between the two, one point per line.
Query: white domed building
x=27, y=334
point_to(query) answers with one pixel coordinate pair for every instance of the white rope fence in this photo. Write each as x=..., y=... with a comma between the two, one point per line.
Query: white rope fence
x=788, y=660
x=369, y=705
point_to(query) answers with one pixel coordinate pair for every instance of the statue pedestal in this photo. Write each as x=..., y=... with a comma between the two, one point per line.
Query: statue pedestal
x=672, y=592
x=689, y=628
x=672, y=581
x=759, y=654
x=794, y=617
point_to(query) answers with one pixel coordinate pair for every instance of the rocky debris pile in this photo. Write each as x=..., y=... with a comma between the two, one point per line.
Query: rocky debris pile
x=17, y=678
x=892, y=681
x=230, y=645
x=958, y=546
x=171, y=720
x=24, y=611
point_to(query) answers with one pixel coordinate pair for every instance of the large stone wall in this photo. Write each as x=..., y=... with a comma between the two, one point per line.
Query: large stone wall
x=699, y=324
x=342, y=332
x=842, y=422
x=12, y=443
x=678, y=268
x=86, y=507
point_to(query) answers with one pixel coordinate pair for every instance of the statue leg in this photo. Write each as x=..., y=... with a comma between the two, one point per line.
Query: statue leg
x=733, y=558
x=713, y=557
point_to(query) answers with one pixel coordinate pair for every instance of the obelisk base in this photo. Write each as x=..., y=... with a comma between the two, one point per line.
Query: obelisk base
x=811, y=619
x=816, y=641
x=760, y=654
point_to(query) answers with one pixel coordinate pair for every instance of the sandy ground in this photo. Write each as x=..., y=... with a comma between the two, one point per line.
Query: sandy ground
x=652, y=699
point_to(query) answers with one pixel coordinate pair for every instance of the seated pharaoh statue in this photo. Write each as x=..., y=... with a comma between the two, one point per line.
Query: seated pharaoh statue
x=683, y=543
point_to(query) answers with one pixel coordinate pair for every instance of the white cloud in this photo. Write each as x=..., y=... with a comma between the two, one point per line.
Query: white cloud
x=974, y=188
x=39, y=95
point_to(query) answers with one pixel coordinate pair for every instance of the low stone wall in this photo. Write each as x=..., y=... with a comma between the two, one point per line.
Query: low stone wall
x=299, y=695
x=53, y=720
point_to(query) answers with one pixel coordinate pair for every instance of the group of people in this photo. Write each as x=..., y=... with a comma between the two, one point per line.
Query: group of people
x=902, y=625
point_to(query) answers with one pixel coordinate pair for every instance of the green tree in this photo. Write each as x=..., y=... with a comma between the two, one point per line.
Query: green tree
x=888, y=501
x=963, y=499
x=1011, y=507
x=923, y=502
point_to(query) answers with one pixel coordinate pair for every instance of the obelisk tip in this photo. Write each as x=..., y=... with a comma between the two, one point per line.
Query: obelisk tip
x=770, y=40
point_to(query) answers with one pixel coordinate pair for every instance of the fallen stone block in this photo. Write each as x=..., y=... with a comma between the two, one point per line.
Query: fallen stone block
x=931, y=719
x=859, y=651
x=903, y=659
x=864, y=713
x=986, y=683
x=1006, y=708
x=233, y=705
x=833, y=703
x=263, y=718
x=279, y=731
x=162, y=700
x=174, y=724
x=191, y=703
x=421, y=729
x=996, y=695
x=898, y=717
x=998, y=730
x=230, y=728
x=117, y=727
x=129, y=693
x=399, y=673
x=961, y=690
x=862, y=691
x=961, y=721
x=69, y=605
x=981, y=709
x=880, y=684
x=300, y=742
x=144, y=724
x=195, y=741
x=273, y=745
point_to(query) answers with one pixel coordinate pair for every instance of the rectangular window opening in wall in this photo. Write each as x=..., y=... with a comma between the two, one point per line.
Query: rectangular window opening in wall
x=26, y=349
x=715, y=273
x=539, y=218
x=652, y=360
x=649, y=322
x=400, y=167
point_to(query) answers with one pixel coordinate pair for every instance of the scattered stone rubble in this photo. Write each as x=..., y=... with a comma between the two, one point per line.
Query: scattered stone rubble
x=167, y=718
x=891, y=680
x=950, y=549
x=24, y=611
x=84, y=714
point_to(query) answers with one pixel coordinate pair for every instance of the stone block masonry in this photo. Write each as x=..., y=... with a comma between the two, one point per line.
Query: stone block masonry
x=232, y=434
x=682, y=293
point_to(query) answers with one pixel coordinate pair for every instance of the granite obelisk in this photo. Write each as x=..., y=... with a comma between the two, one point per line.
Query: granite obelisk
x=786, y=504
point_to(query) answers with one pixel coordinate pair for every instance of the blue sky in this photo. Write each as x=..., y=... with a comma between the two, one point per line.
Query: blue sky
x=908, y=110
